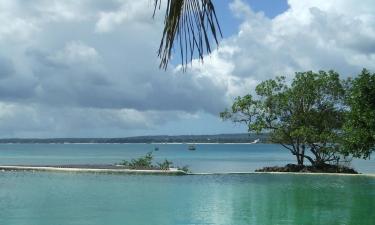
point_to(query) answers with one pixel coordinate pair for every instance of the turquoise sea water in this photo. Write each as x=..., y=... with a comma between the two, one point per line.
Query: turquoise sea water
x=207, y=157
x=46, y=198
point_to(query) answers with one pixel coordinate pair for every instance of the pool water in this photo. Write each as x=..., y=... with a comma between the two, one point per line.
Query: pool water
x=76, y=198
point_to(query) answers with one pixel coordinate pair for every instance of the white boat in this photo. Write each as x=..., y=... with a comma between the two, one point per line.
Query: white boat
x=255, y=141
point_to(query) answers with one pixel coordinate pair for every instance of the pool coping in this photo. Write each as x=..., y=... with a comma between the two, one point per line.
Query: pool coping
x=157, y=172
x=287, y=173
x=92, y=170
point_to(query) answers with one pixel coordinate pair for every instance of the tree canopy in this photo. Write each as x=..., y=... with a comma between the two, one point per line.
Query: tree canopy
x=359, y=127
x=308, y=116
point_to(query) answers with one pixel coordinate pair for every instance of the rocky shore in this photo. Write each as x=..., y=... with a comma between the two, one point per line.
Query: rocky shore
x=308, y=169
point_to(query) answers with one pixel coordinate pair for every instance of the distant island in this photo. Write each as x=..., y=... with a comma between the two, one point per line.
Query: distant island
x=217, y=138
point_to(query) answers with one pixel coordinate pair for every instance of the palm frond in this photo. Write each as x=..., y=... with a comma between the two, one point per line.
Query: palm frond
x=192, y=23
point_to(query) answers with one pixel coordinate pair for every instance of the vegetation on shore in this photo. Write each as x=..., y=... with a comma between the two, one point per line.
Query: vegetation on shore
x=146, y=163
x=318, y=117
x=326, y=168
x=217, y=138
x=359, y=126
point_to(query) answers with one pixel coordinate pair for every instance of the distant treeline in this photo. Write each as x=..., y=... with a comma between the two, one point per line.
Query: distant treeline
x=219, y=138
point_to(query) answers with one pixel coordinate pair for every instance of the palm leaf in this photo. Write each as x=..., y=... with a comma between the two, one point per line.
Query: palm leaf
x=192, y=23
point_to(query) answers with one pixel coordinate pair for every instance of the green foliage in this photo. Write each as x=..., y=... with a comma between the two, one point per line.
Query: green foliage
x=146, y=163
x=165, y=165
x=192, y=23
x=303, y=116
x=359, y=128
x=185, y=169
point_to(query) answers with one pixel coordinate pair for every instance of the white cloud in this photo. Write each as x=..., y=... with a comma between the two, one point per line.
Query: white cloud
x=31, y=120
x=130, y=12
x=310, y=35
x=76, y=52
x=66, y=64
x=15, y=29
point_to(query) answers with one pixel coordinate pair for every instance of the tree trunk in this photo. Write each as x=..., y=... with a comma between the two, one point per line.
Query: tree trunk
x=319, y=162
x=300, y=154
x=303, y=153
x=299, y=159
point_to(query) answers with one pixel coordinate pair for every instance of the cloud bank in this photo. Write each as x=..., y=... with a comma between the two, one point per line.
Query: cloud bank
x=89, y=67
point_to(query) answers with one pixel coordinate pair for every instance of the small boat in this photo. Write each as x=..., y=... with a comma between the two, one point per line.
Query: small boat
x=156, y=149
x=191, y=147
x=255, y=141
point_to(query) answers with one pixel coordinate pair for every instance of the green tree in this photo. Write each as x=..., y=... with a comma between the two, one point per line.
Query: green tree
x=144, y=162
x=305, y=116
x=359, y=128
x=165, y=165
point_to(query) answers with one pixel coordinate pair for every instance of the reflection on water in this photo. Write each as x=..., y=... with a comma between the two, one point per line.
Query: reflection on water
x=64, y=198
x=306, y=200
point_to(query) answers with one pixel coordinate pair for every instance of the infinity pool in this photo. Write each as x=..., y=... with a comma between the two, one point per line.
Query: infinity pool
x=91, y=199
x=41, y=198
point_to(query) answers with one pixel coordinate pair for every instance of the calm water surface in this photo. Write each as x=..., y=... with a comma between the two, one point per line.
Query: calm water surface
x=43, y=198
x=89, y=199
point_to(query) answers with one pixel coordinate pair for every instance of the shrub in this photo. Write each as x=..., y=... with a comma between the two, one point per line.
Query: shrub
x=145, y=163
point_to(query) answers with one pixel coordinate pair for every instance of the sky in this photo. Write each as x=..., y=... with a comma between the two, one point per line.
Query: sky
x=88, y=68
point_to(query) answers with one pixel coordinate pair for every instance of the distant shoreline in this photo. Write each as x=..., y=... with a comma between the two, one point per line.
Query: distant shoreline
x=242, y=138
x=156, y=143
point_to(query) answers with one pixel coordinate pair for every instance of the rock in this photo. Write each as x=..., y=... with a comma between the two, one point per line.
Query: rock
x=325, y=168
